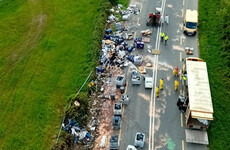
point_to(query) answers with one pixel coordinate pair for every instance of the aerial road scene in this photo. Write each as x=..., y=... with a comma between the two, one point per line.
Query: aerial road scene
x=114, y=75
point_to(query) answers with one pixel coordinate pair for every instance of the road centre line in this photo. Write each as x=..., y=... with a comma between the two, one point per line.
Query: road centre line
x=141, y=8
x=182, y=143
x=150, y=108
x=183, y=2
x=180, y=56
x=138, y=20
x=180, y=40
x=157, y=46
x=182, y=13
x=154, y=103
x=181, y=120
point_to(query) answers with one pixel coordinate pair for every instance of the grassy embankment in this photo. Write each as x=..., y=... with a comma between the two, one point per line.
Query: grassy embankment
x=46, y=53
x=214, y=38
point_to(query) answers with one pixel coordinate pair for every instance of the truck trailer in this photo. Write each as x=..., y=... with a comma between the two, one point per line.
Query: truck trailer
x=197, y=100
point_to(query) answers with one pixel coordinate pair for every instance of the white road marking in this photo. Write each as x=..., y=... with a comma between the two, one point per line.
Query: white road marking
x=182, y=143
x=151, y=107
x=182, y=13
x=138, y=21
x=154, y=103
x=181, y=40
x=183, y=2
x=180, y=56
x=141, y=8
x=181, y=120
x=157, y=46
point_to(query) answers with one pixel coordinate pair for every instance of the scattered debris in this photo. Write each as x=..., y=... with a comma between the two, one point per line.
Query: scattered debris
x=126, y=17
x=76, y=103
x=136, y=59
x=156, y=51
x=146, y=40
x=115, y=55
x=142, y=70
x=149, y=65
x=103, y=141
x=147, y=32
x=189, y=50
x=80, y=134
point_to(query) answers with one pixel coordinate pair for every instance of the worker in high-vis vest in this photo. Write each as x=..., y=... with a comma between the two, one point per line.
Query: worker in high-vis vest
x=184, y=78
x=161, y=84
x=162, y=36
x=175, y=71
x=157, y=91
x=166, y=38
x=176, y=85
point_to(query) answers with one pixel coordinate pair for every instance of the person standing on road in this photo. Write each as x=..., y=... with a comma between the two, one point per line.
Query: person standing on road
x=161, y=84
x=162, y=36
x=157, y=91
x=184, y=77
x=162, y=20
x=175, y=72
x=166, y=38
x=167, y=19
x=176, y=85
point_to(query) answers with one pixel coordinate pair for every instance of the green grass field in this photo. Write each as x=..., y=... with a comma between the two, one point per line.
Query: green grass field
x=44, y=58
x=214, y=37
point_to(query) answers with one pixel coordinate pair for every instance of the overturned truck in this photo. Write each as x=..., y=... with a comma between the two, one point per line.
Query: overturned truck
x=196, y=100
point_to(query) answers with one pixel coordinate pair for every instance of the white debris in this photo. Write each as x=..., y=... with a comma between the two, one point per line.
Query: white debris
x=133, y=5
x=103, y=141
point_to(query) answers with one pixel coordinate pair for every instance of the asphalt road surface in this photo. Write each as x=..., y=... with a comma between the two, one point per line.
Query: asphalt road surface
x=159, y=118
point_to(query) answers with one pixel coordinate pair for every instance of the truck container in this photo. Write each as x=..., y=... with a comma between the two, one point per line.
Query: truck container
x=197, y=100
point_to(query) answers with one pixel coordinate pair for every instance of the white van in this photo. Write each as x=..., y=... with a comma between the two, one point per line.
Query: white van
x=190, y=22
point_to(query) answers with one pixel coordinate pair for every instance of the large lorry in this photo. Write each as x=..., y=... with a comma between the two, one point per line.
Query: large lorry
x=197, y=100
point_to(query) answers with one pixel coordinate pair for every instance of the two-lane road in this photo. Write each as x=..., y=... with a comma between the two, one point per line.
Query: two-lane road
x=159, y=118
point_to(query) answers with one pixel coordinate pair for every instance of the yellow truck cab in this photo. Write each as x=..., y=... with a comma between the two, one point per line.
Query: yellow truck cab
x=190, y=22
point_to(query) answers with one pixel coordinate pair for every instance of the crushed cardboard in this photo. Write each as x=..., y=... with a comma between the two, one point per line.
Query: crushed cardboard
x=142, y=70
x=156, y=52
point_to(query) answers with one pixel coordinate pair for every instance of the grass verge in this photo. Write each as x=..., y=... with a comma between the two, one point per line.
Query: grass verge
x=47, y=49
x=214, y=37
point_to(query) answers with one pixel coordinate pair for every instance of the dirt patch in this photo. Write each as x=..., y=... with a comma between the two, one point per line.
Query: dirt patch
x=106, y=114
x=144, y=96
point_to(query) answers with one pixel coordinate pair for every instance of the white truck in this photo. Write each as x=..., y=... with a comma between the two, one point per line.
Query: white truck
x=197, y=100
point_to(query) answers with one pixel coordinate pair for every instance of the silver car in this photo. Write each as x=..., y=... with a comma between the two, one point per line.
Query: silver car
x=139, y=140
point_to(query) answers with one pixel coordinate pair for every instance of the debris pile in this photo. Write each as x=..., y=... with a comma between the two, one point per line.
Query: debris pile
x=117, y=52
x=80, y=134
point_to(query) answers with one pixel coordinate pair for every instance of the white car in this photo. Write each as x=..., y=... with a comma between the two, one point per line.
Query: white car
x=148, y=82
x=130, y=147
